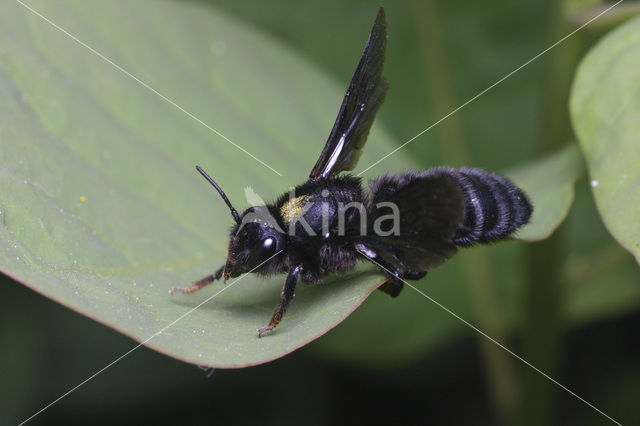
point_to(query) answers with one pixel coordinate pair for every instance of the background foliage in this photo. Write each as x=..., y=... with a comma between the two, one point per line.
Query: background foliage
x=567, y=304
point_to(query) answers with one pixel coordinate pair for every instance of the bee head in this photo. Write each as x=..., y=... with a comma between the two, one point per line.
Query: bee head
x=253, y=241
x=255, y=237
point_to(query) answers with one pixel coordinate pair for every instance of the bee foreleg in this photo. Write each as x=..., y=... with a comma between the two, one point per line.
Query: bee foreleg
x=287, y=294
x=199, y=284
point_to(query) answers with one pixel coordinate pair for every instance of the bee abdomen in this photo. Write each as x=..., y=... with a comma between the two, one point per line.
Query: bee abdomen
x=494, y=206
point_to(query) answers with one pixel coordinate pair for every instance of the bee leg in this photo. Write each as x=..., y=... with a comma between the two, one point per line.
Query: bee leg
x=199, y=284
x=287, y=294
x=414, y=275
x=392, y=286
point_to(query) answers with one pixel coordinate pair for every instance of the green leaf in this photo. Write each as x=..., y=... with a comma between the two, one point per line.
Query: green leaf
x=101, y=208
x=604, y=105
x=600, y=277
x=549, y=182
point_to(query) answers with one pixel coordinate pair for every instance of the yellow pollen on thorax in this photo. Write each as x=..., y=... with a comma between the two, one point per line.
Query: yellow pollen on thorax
x=292, y=208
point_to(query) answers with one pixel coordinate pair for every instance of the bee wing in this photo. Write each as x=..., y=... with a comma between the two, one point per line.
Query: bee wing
x=430, y=210
x=364, y=96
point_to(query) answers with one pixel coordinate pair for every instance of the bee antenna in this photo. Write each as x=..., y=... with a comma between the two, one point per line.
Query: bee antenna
x=234, y=213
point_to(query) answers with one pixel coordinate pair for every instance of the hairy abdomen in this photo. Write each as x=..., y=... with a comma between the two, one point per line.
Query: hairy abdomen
x=494, y=206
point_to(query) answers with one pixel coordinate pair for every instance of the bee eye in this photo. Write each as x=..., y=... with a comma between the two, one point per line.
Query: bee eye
x=261, y=252
x=267, y=243
x=267, y=248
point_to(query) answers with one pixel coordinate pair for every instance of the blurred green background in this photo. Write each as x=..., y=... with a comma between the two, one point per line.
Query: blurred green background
x=574, y=299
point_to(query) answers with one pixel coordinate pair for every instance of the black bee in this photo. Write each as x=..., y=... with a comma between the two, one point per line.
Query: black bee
x=406, y=224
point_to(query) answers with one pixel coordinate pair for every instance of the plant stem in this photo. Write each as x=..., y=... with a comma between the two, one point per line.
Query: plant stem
x=477, y=265
x=543, y=293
